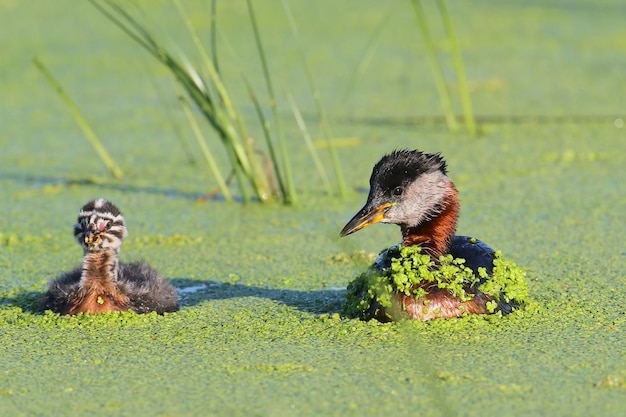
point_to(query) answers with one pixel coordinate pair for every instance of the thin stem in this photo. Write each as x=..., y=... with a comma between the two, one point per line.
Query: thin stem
x=366, y=55
x=318, y=103
x=309, y=143
x=115, y=170
x=205, y=150
x=258, y=179
x=268, y=137
x=194, y=86
x=466, y=100
x=214, y=35
x=290, y=197
x=169, y=114
x=437, y=70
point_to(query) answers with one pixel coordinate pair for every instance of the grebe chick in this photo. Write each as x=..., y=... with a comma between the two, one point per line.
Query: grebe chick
x=412, y=189
x=103, y=283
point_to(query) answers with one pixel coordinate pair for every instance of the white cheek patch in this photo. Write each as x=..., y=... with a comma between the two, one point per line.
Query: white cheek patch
x=421, y=200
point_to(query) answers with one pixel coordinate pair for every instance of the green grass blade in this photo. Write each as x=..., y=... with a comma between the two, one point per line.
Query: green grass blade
x=214, y=35
x=226, y=122
x=206, y=150
x=290, y=197
x=366, y=55
x=193, y=85
x=115, y=170
x=194, y=35
x=274, y=159
x=260, y=179
x=309, y=143
x=318, y=103
x=132, y=29
x=169, y=115
x=268, y=137
x=440, y=84
x=466, y=100
x=251, y=164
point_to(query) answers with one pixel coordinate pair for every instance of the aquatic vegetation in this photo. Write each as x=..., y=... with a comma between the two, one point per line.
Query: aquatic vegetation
x=267, y=178
x=437, y=67
x=265, y=335
x=108, y=161
x=412, y=272
x=612, y=381
x=315, y=93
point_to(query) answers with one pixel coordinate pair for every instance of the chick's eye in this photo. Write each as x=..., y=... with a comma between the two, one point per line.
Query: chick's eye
x=398, y=191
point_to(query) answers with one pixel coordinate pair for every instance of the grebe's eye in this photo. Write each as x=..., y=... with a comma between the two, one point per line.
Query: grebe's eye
x=398, y=191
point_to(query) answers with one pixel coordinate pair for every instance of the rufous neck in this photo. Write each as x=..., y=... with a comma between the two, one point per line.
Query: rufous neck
x=435, y=235
x=100, y=268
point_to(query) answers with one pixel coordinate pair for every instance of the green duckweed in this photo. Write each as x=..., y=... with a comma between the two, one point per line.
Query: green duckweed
x=409, y=269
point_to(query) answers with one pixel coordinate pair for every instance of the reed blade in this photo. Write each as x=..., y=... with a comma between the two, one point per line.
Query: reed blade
x=206, y=151
x=256, y=174
x=366, y=55
x=466, y=101
x=217, y=107
x=115, y=170
x=431, y=54
x=309, y=144
x=318, y=103
x=174, y=125
x=214, y=35
x=268, y=138
x=290, y=197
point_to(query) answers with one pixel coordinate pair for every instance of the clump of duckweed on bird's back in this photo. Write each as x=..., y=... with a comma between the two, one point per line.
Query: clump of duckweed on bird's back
x=413, y=273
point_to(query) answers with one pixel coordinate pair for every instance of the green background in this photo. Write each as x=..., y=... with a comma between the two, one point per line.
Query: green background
x=262, y=285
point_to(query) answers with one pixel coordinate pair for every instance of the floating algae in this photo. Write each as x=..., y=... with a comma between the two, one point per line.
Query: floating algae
x=403, y=273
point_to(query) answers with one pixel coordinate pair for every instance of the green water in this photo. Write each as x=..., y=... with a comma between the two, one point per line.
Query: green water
x=261, y=286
